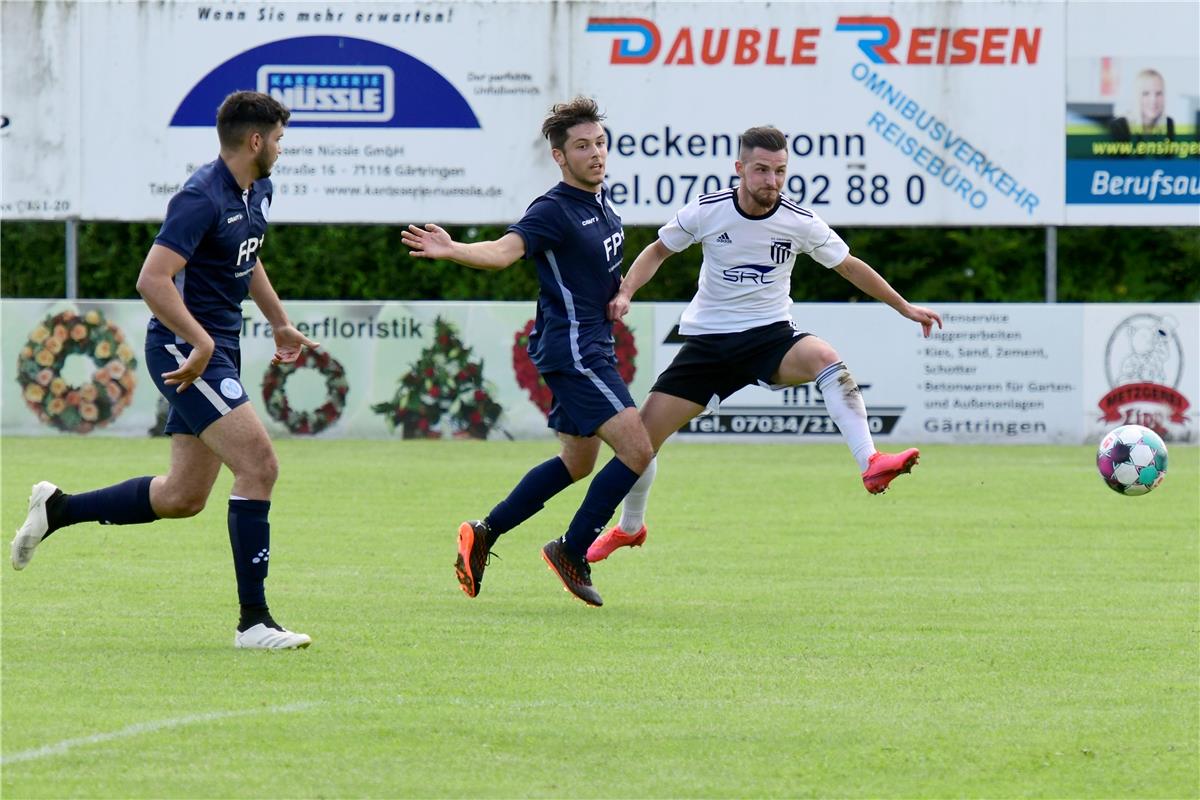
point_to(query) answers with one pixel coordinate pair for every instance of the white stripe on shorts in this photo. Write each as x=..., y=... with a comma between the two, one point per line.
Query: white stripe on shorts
x=206, y=390
x=573, y=336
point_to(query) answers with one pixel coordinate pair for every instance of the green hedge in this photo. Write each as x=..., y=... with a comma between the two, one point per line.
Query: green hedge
x=368, y=262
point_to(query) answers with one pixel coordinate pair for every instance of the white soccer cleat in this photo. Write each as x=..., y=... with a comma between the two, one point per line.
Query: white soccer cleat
x=264, y=637
x=33, y=530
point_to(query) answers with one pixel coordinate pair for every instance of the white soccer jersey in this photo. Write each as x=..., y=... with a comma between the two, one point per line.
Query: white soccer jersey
x=746, y=276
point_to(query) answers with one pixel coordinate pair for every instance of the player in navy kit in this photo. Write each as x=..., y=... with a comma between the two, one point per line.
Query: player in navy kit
x=739, y=329
x=202, y=265
x=574, y=236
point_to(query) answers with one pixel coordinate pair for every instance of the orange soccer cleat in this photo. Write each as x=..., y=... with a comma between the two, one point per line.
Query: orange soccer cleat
x=613, y=538
x=475, y=541
x=884, y=467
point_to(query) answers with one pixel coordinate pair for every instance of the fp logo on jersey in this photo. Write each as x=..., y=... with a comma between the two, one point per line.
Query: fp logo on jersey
x=612, y=244
x=781, y=250
x=248, y=248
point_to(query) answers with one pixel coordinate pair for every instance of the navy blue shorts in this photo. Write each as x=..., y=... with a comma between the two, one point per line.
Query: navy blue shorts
x=586, y=396
x=218, y=391
x=721, y=363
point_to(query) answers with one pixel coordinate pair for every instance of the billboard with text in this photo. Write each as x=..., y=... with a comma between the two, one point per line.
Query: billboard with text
x=921, y=113
x=998, y=373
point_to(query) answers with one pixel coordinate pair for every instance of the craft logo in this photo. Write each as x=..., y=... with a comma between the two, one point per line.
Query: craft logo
x=637, y=40
x=1144, y=365
x=332, y=82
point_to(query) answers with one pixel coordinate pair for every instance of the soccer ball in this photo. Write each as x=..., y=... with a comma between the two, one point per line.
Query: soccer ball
x=1132, y=459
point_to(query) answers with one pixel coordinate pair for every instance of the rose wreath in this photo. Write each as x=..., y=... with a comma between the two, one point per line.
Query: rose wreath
x=103, y=397
x=444, y=390
x=527, y=375
x=324, y=415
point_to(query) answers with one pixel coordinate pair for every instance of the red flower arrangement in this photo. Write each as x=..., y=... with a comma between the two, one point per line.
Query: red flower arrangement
x=306, y=423
x=444, y=391
x=531, y=381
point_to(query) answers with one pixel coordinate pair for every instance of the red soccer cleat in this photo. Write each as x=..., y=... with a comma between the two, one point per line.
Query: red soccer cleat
x=613, y=538
x=884, y=467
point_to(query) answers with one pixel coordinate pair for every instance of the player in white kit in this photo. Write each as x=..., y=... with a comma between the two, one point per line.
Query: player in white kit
x=739, y=329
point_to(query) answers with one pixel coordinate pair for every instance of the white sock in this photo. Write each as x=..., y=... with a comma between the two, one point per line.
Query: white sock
x=633, y=510
x=843, y=401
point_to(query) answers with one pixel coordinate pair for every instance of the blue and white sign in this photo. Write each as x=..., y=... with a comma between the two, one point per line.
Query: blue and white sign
x=919, y=113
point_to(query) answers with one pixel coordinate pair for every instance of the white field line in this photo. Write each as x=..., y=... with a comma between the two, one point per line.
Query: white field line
x=137, y=729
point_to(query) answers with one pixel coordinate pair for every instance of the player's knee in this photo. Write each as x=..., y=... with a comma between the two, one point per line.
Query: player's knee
x=181, y=505
x=638, y=456
x=825, y=356
x=267, y=470
x=579, y=468
x=260, y=472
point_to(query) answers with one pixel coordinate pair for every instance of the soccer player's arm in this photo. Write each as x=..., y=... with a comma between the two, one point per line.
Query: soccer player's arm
x=640, y=272
x=434, y=242
x=676, y=236
x=189, y=216
x=870, y=282
x=156, y=285
x=288, y=340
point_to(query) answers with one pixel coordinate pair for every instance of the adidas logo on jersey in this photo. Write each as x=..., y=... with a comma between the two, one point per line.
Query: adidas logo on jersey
x=724, y=239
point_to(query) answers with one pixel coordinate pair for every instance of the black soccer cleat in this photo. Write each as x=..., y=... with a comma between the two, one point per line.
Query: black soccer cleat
x=575, y=574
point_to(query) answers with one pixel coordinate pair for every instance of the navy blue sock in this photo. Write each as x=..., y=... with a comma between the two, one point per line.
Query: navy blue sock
x=125, y=503
x=529, y=496
x=608, y=488
x=250, y=538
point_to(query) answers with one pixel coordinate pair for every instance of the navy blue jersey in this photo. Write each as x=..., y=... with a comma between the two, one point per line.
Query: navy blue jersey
x=576, y=239
x=219, y=229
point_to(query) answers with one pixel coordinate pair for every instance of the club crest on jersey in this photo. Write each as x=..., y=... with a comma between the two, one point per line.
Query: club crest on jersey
x=781, y=250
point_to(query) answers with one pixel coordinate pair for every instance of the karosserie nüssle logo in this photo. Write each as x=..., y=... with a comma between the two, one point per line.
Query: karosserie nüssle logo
x=332, y=82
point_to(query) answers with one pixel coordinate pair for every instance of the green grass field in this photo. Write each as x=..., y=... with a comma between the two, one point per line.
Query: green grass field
x=1000, y=624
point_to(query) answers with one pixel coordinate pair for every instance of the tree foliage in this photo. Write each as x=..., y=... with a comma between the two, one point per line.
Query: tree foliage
x=368, y=262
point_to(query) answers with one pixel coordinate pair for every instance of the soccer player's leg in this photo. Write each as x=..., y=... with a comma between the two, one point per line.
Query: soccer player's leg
x=698, y=372
x=241, y=442
x=812, y=359
x=662, y=414
x=596, y=400
x=180, y=493
x=476, y=538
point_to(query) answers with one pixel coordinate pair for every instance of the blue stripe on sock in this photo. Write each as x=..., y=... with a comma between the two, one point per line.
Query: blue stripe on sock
x=828, y=373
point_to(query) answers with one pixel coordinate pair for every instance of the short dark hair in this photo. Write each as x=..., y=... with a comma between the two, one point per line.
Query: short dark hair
x=244, y=112
x=564, y=116
x=767, y=137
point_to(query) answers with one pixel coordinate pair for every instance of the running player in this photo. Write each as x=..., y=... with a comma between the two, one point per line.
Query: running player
x=200, y=268
x=739, y=326
x=574, y=236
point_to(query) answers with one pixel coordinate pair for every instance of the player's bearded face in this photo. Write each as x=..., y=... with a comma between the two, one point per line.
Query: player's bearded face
x=268, y=153
x=763, y=175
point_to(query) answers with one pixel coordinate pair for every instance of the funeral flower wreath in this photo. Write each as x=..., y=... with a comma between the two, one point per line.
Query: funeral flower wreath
x=94, y=403
x=299, y=421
